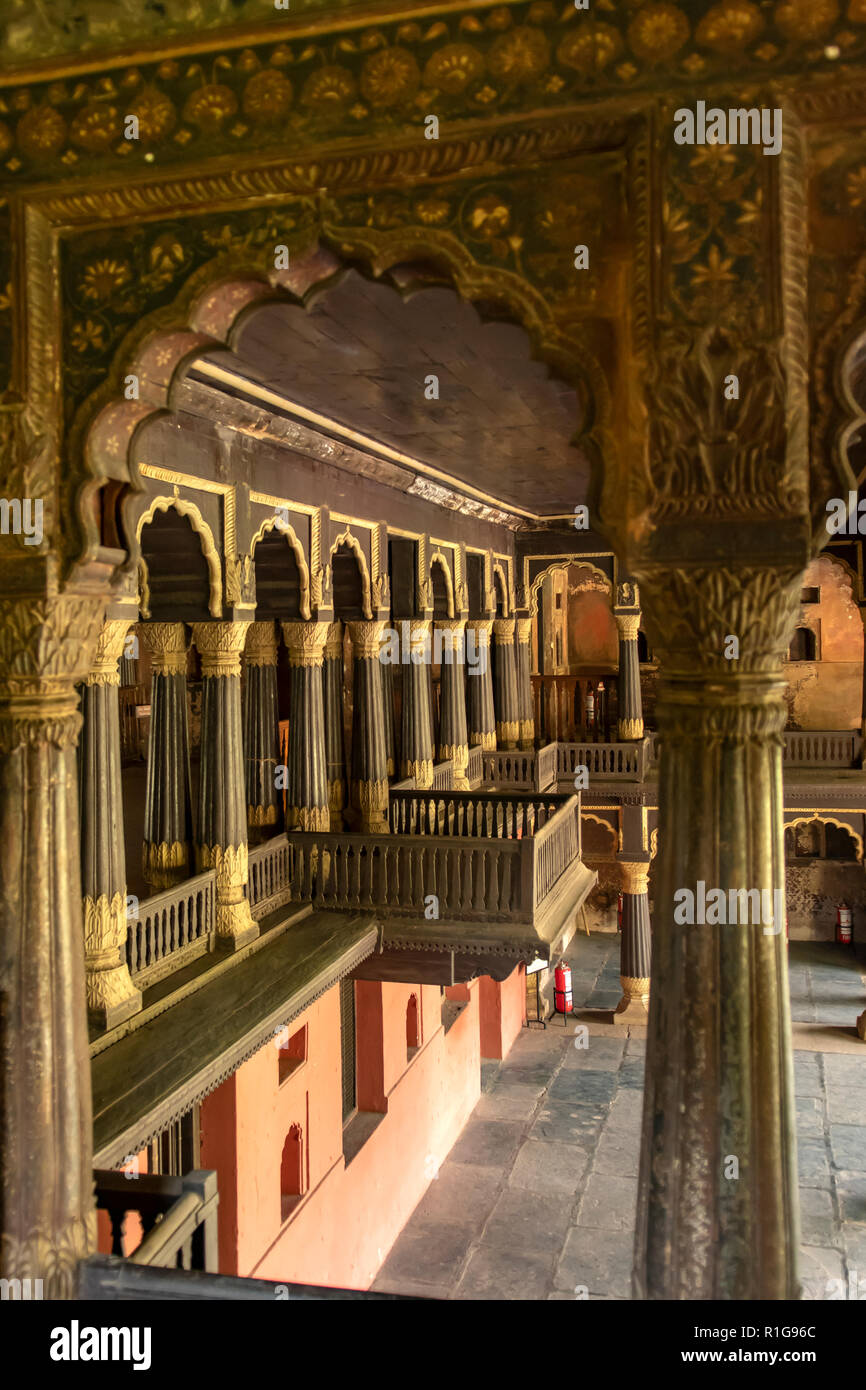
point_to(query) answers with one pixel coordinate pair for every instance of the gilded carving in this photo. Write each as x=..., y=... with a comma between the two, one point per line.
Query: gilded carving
x=306, y=642
x=109, y=649
x=168, y=646
x=109, y=987
x=367, y=638
x=627, y=626
x=220, y=646
x=200, y=526
x=261, y=645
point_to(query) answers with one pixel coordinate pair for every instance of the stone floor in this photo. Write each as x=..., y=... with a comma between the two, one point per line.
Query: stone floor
x=536, y=1199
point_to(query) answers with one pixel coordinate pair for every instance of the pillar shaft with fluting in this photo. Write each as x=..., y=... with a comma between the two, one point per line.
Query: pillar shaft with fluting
x=47, y=1212
x=630, y=716
x=636, y=942
x=453, y=734
x=718, y=1200
x=417, y=739
x=166, y=852
x=481, y=718
x=261, y=732
x=222, y=812
x=308, y=762
x=369, y=753
x=332, y=694
x=523, y=666
x=111, y=995
x=505, y=683
x=391, y=756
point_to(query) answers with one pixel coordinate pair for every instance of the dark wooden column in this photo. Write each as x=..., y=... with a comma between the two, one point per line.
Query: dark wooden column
x=523, y=663
x=390, y=723
x=453, y=736
x=630, y=708
x=46, y=1177
x=308, y=764
x=166, y=852
x=369, y=756
x=261, y=732
x=111, y=995
x=479, y=686
x=719, y=1083
x=636, y=943
x=332, y=675
x=417, y=741
x=222, y=817
x=505, y=684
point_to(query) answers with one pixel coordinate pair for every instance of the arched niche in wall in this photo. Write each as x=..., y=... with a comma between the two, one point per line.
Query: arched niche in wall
x=282, y=573
x=598, y=837
x=475, y=566
x=350, y=579
x=822, y=837
x=180, y=573
x=500, y=590
x=442, y=585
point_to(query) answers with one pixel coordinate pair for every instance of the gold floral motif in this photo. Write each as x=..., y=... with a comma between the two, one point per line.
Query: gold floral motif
x=156, y=114
x=94, y=128
x=220, y=645
x=805, y=19
x=87, y=335
x=730, y=27
x=519, y=56
x=267, y=96
x=657, y=32
x=41, y=133
x=329, y=89
x=432, y=211
x=210, y=107
x=590, y=49
x=489, y=217
x=389, y=77
x=452, y=68
x=102, y=278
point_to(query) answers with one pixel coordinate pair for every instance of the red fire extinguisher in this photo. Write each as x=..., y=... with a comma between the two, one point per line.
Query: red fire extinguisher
x=562, y=999
x=844, y=929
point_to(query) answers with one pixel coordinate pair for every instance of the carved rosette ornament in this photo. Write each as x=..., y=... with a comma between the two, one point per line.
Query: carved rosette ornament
x=111, y=994
x=453, y=735
x=369, y=750
x=481, y=718
x=48, y=1216
x=222, y=818
x=307, y=792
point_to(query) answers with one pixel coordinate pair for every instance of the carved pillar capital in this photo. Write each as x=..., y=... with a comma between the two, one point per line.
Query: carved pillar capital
x=523, y=629
x=220, y=646
x=334, y=641
x=306, y=642
x=367, y=638
x=109, y=649
x=503, y=631
x=261, y=645
x=168, y=646
x=627, y=625
x=634, y=877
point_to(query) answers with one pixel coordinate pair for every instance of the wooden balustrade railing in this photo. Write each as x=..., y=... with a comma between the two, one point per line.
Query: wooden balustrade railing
x=555, y=845
x=443, y=776
x=546, y=763
x=178, y=1217
x=475, y=766
x=561, y=706
x=473, y=814
x=269, y=874
x=616, y=761
x=821, y=748
x=510, y=769
x=171, y=928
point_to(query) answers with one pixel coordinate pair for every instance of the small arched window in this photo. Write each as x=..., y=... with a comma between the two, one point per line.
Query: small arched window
x=804, y=646
x=413, y=1028
x=292, y=1185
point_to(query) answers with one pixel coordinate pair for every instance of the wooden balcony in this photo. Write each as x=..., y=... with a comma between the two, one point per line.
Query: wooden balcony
x=564, y=711
x=178, y=1217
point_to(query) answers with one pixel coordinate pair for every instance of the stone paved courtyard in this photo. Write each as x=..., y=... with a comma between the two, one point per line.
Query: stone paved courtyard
x=537, y=1197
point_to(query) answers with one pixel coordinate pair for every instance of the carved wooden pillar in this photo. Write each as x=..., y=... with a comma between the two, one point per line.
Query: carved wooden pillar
x=719, y=1081
x=453, y=737
x=505, y=684
x=479, y=685
x=636, y=943
x=261, y=731
x=332, y=694
x=523, y=663
x=369, y=756
x=388, y=711
x=222, y=815
x=630, y=715
x=111, y=995
x=46, y=1176
x=167, y=805
x=417, y=742
x=308, y=764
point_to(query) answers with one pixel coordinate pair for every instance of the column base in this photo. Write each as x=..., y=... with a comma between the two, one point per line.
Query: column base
x=164, y=865
x=111, y=997
x=861, y=1026
x=526, y=733
x=235, y=926
x=634, y=1005
x=630, y=730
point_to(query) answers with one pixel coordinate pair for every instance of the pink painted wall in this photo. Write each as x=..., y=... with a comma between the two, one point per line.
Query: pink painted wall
x=341, y=1230
x=502, y=1008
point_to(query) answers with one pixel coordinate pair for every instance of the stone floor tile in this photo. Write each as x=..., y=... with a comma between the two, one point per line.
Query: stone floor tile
x=608, y=1202
x=517, y=1103
x=599, y=1261
x=568, y=1121
x=463, y=1194
x=487, y=1142
x=554, y=1169
x=617, y=1155
x=500, y=1275
x=525, y=1222
x=821, y=1273
x=817, y=1220
x=813, y=1160
x=429, y=1253
x=578, y=1085
x=851, y=1190
x=846, y=1104
x=848, y=1147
